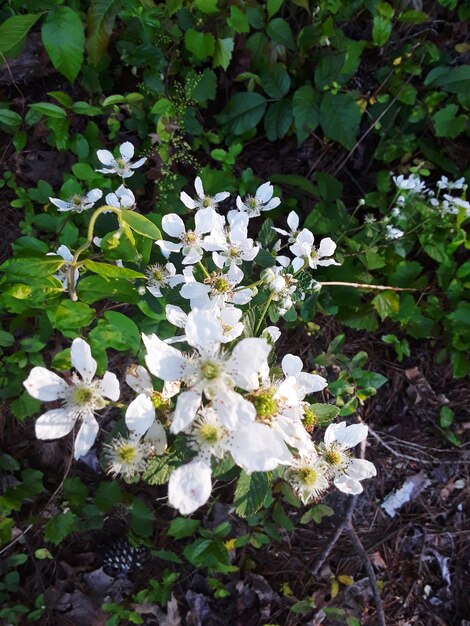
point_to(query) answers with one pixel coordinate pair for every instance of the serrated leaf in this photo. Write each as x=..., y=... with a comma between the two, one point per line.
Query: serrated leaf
x=447, y=123
x=306, y=110
x=201, y=45
x=386, y=303
x=251, y=492
x=116, y=330
x=340, y=117
x=141, y=224
x=182, y=527
x=101, y=17
x=112, y=271
x=238, y=20
x=324, y=413
x=278, y=119
x=381, y=30
x=242, y=112
x=275, y=81
x=107, y=496
x=64, y=39
x=279, y=31
x=59, y=527
x=223, y=52
x=13, y=32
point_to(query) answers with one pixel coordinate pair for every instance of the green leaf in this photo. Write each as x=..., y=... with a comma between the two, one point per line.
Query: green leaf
x=33, y=266
x=182, y=527
x=201, y=45
x=279, y=31
x=223, y=52
x=59, y=527
x=306, y=110
x=340, y=117
x=386, y=303
x=13, y=32
x=64, y=39
x=108, y=495
x=141, y=224
x=451, y=79
x=24, y=406
x=324, y=413
x=93, y=288
x=100, y=19
x=112, y=271
x=275, y=81
x=447, y=123
x=273, y=6
x=83, y=108
x=117, y=331
x=242, y=112
x=204, y=88
x=278, y=119
x=10, y=119
x=142, y=518
x=71, y=316
x=49, y=110
x=381, y=30
x=251, y=492
x=206, y=6
x=238, y=20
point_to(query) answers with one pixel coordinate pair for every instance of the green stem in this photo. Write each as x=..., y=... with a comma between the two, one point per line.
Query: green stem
x=265, y=310
x=74, y=264
x=206, y=273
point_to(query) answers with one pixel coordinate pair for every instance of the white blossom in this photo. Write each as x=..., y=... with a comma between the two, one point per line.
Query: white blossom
x=80, y=398
x=122, y=198
x=159, y=276
x=392, y=232
x=304, y=250
x=293, y=223
x=78, y=203
x=191, y=242
x=308, y=476
x=218, y=290
x=262, y=201
x=347, y=471
x=412, y=184
x=205, y=205
x=126, y=456
x=62, y=273
x=122, y=166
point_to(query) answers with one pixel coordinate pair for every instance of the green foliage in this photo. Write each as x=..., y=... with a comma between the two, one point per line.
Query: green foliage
x=64, y=40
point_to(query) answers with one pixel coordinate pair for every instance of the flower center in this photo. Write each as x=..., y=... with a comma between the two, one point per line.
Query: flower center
x=221, y=285
x=210, y=370
x=159, y=402
x=126, y=453
x=233, y=252
x=252, y=203
x=190, y=237
x=308, y=476
x=264, y=403
x=309, y=420
x=209, y=433
x=207, y=202
x=83, y=396
x=121, y=163
x=333, y=457
x=76, y=200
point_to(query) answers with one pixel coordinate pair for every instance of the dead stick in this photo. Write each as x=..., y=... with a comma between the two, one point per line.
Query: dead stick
x=361, y=551
x=340, y=283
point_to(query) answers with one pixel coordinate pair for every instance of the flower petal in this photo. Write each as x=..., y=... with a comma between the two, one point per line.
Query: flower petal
x=109, y=386
x=247, y=360
x=187, y=200
x=82, y=361
x=126, y=150
x=173, y=225
x=257, y=448
x=94, y=195
x=86, y=436
x=327, y=247
x=187, y=406
x=62, y=205
x=190, y=487
x=199, y=188
x=264, y=193
x=106, y=158
x=163, y=361
x=140, y=414
x=157, y=436
x=135, y=165
x=293, y=221
x=203, y=331
x=291, y=365
x=348, y=485
x=176, y=316
x=233, y=410
x=54, y=424
x=139, y=379
x=359, y=469
x=45, y=385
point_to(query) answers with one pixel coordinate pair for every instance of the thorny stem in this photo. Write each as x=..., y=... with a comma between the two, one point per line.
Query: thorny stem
x=340, y=283
x=263, y=313
x=74, y=264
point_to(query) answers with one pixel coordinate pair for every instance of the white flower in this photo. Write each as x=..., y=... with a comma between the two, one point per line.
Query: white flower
x=218, y=290
x=122, y=198
x=141, y=412
x=293, y=223
x=455, y=204
x=78, y=203
x=62, y=273
x=412, y=184
x=80, y=398
x=304, y=249
x=159, y=276
x=308, y=476
x=234, y=246
x=126, y=456
x=122, y=165
x=191, y=242
x=393, y=233
x=445, y=183
x=190, y=486
x=229, y=317
x=203, y=200
x=262, y=201
x=346, y=470
x=209, y=371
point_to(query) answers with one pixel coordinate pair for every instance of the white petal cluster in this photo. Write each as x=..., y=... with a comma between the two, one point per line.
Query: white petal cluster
x=78, y=203
x=80, y=398
x=122, y=165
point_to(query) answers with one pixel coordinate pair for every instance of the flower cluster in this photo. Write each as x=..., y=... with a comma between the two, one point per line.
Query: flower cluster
x=209, y=390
